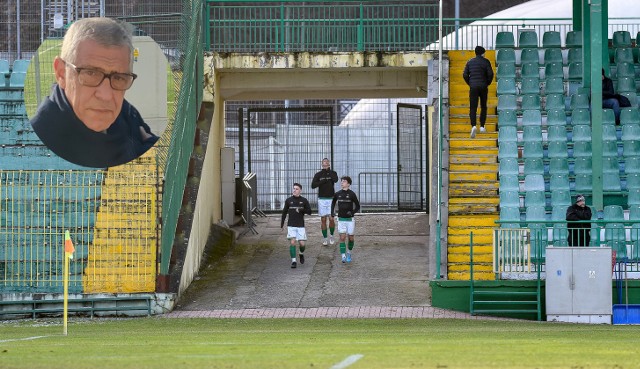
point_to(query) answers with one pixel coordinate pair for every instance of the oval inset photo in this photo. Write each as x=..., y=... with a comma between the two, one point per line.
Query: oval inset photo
x=98, y=96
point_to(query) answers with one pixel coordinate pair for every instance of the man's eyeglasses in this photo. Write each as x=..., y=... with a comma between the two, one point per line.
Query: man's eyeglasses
x=93, y=78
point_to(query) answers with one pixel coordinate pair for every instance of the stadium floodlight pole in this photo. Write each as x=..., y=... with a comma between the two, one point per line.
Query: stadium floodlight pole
x=439, y=192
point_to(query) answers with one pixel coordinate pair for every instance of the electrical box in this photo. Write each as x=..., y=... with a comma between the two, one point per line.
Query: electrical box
x=578, y=284
x=228, y=183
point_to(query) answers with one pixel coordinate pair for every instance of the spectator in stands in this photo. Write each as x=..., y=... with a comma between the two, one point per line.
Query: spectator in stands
x=478, y=74
x=609, y=97
x=579, y=232
x=86, y=119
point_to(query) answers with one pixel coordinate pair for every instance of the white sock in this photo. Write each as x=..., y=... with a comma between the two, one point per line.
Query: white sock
x=293, y=260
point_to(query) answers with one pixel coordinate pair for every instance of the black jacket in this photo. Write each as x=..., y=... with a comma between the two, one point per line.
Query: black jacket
x=348, y=203
x=575, y=213
x=478, y=72
x=296, y=208
x=63, y=132
x=324, y=181
x=607, y=89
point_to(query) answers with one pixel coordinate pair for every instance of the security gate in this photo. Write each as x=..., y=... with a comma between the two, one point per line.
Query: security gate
x=409, y=144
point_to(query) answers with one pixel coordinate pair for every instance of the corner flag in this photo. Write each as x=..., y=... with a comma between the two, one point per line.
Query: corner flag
x=68, y=245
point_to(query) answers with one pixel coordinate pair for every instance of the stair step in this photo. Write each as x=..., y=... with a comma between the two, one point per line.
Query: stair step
x=472, y=159
x=505, y=302
x=493, y=311
x=473, y=143
x=504, y=293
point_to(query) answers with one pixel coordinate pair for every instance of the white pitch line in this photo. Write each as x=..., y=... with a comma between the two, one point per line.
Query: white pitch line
x=24, y=339
x=348, y=361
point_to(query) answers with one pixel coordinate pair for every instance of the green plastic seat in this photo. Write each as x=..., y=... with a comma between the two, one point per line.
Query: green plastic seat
x=507, y=118
x=621, y=39
x=17, y=79
x=507, y=102
x=507, y=134
x=579, y=101
x=625, y=70
x=554, y=85
x=531, y=117
x=573, y=39
x=609, y=132
x=510, y=214
x=623, y=55
x=580, y=116
x=608, y=118
x=509, y=182
x=505, y=56
x=532, y=133
x=554, y=101
x=534, y=182
x=557, y=149
x=634, y=216
x=5, y=67
x=528, y=39
x=506, y=86
x=558, y=182
x=529, y=56
x=610, y=147
x=533, y=166
x=505, y=40
x=561, y=197
x=614, y=233
x=556, y=117
x=553, y=70
x=509, y=198
x=629, y=116
x=632, y=181
x=630, y=132
x=633, y=197
x=625, y=84
x=581, y=132
x=553, y=55
x=551, y=39
x=610, y=165
x=611, y=182
x=583, y=183
x=557, y=133
x=582, y=165
x=534, y=198
x=529, y=70
x=532, y=149
x=508, y=166
x=530, y=85
x=559, y=166
x=506, y=70
x=531, y=102
x=574, y=55
x=20, y=66
x=560, y=231
x=507, y=150
x=632, y=164
x=575, y=71
x=582, y=149
x=630, y=147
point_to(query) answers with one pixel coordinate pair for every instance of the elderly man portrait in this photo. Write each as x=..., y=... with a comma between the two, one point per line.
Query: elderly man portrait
x=86, y=120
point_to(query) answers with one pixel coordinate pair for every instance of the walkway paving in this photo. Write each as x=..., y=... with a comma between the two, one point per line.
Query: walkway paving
x=388, y=278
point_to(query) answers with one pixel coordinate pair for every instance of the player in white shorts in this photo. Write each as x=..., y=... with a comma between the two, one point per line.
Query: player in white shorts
x=296, y=207
x=324, y=181
x=348, y=205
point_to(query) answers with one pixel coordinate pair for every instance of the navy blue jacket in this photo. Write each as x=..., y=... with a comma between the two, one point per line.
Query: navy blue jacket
x=478, y=72
x=63, y=132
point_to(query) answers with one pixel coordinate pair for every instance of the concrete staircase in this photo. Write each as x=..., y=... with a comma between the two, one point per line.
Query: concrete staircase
x=123, y=255
x=473, y=178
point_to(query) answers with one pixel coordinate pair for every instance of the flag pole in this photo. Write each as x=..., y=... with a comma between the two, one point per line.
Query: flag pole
x=68, y=255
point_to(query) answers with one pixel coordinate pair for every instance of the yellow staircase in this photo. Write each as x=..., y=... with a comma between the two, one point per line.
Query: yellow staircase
x=473, y=177
x=122, y=257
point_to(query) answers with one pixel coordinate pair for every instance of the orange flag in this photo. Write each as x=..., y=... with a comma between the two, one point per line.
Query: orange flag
x=68, y=244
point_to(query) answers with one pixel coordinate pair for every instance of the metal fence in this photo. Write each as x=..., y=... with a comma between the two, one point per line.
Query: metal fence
x=515, y=249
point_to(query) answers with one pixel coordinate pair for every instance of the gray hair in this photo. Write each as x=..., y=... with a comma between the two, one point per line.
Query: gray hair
x=105, y=31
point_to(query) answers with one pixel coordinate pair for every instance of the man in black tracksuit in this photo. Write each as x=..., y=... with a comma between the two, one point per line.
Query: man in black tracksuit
x=579, y=233
x=296, y=207
x=348, y=205
x=324, y=181
x=478, y=74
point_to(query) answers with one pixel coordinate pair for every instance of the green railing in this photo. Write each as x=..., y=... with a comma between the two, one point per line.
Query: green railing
x=183, y=129
x=309, y=26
